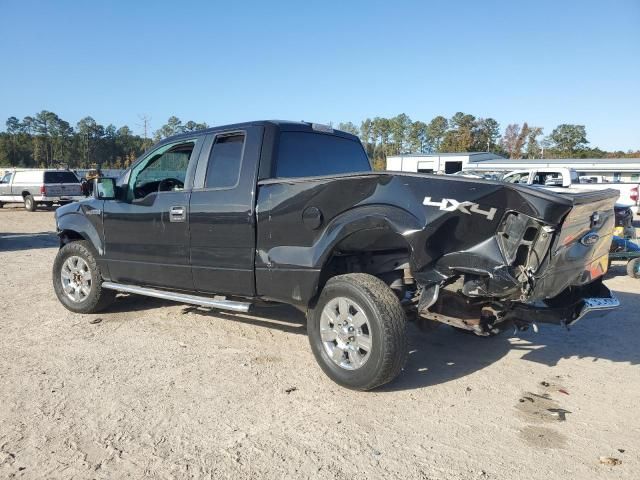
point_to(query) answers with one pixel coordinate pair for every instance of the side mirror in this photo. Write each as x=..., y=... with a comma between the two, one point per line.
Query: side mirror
x=105, y=188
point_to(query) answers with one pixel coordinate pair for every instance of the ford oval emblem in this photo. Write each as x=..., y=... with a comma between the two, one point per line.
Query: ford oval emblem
x=590, y=239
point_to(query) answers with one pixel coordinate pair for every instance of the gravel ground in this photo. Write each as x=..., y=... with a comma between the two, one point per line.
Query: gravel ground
x=159, y=390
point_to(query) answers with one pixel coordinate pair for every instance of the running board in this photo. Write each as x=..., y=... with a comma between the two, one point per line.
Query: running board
x=179, y=297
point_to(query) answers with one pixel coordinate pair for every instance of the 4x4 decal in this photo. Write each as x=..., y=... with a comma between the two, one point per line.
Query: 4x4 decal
x=451, y=205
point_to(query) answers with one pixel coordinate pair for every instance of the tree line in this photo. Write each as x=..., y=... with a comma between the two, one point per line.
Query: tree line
x=46, y=140
x=465, y=133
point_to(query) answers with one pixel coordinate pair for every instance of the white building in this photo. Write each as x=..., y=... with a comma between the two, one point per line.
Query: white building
x=610, y=169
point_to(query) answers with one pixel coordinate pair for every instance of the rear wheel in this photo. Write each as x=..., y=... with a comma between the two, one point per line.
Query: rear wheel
x=357, y=332
x=29, y=203
x=77, y=280
x=633, y=268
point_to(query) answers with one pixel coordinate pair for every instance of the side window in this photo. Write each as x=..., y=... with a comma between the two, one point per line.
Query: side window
x=517, y=178
x=225, y=159
x=575, y=178
x=6, y=178
x=164, y=171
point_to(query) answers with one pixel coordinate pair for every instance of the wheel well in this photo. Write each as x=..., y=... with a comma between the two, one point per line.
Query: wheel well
x=68, y=236
x=381, y=253
x=25, y=193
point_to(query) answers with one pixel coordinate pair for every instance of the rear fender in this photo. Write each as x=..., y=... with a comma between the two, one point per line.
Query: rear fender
x=299, y=269
x=374, y=218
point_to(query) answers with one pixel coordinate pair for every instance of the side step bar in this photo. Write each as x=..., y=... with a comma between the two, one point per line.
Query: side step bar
x=179, y=297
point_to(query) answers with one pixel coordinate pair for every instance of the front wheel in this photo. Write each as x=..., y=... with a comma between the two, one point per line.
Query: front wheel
x=77, y=280
x=357, y=331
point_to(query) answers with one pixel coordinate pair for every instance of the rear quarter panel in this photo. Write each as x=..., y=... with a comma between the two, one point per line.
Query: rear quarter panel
x=291, y=253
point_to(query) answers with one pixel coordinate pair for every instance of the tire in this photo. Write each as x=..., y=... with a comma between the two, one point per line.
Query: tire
x=29, y=203
x=353, y=299
x=78, y=261
x=633, y=268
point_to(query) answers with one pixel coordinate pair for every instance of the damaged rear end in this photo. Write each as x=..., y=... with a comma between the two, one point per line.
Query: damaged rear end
x=544, y=264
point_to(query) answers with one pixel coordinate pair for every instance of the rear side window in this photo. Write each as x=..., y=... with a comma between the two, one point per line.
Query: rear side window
x=223, y=169
x=60, y=177
x=302, y=154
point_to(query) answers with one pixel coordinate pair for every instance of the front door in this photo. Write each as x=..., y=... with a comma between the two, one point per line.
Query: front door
x=147, y=232
x=5, y=185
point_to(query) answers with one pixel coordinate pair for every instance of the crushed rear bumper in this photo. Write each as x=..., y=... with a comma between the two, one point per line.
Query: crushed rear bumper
x=594, y=300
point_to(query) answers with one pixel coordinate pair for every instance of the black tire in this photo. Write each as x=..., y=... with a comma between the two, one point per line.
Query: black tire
x=29, y=203
x=98, y=298
x=1, y=204
x=633, y=268
x=388, y=336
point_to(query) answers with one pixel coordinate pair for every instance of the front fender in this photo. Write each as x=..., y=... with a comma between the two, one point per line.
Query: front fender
x=84, y=219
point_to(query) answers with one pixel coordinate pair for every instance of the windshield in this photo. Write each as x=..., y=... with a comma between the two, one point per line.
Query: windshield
x=303, y=154
x=60, y=177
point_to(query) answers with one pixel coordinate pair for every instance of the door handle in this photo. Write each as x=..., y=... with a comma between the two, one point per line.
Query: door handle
x=177, y=214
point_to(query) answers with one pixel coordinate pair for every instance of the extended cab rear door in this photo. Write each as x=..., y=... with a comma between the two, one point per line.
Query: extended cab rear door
x=222, y=212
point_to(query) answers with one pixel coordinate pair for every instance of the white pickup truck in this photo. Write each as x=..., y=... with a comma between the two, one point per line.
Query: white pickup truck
x=567, y=177
x=35, y=187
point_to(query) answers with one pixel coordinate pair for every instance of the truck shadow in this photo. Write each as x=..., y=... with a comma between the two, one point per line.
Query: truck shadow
x=12, y=242
x=444, y=354
x=281, y=317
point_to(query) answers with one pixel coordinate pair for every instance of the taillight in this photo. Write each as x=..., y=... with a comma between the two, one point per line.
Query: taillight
x=43, y=190
x=634, y=194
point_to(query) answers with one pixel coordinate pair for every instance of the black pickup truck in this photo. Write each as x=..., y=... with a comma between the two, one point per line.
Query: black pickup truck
x=291, y=212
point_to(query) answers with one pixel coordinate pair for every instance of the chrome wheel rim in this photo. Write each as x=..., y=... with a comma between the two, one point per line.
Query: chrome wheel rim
x=345, y=332
x=76, y=278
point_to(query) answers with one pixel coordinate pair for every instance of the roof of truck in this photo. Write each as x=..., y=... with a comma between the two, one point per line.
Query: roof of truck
x=286, y=125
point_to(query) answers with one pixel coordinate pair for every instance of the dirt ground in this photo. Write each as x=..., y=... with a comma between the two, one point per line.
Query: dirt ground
x=159, y=390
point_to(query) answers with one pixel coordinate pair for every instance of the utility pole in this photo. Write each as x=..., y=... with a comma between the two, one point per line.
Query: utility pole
x=145, y=119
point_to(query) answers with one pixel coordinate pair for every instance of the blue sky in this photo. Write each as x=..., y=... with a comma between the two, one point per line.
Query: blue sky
x=545, y=62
